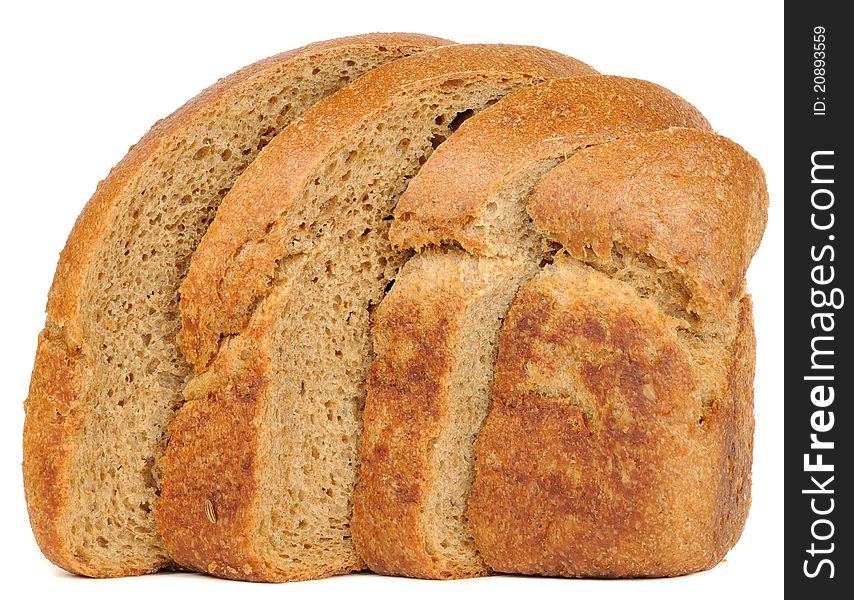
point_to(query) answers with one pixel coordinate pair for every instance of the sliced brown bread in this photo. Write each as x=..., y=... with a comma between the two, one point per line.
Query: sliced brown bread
x=260, y=469
x=108, y=374
x=620, y=439
x=435, y=334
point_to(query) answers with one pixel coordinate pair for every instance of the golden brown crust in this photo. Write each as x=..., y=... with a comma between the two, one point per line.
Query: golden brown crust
x=233, y=266
x=551, y=120
x=48, y=430
x=407, y=388
x=207, y=527
x=60, y=373
x=692, y=199
x=596, y=457
x=733, y=501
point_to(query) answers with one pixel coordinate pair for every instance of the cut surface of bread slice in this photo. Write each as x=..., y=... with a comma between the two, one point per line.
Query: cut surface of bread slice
x=260, y=469
x=108, y=374
x=435, y=333
x=620, y=439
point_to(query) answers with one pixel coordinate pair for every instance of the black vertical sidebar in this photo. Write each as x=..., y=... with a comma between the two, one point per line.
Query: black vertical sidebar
x=819, y=342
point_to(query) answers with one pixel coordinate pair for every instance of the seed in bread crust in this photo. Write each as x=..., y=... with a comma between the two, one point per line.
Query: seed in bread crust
x=210, y=510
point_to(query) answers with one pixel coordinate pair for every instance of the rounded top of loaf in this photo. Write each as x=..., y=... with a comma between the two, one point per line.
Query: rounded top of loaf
x=692, y=200
x=233, y=266
x=549, y=121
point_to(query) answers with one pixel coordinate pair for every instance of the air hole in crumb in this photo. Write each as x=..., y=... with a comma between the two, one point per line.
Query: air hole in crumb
x=436, y=140
x=460, y=119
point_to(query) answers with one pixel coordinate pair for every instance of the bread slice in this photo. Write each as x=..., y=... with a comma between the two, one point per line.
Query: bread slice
x=428, y=391
x=108, y=374
x=260, y=469
x=620, y=440
x=435, y=334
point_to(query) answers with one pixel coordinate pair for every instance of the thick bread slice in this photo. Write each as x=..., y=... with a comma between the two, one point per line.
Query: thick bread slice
x=428, y=391
x=108, y=375
x=260, y=469
x=436, y=332
x=620, y=441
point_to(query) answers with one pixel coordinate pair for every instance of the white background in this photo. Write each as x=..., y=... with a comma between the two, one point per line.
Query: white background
x=82, y=82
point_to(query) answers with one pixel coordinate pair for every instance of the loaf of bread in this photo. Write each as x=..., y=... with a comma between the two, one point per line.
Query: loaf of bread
x=435, y=333
x=108, y=375
x=260, y=469
x=390, y=302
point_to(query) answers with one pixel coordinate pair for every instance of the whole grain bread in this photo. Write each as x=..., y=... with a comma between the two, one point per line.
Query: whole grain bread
x=260, y=469
x=435, y=333
x=620, y=440
x=108, y=374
